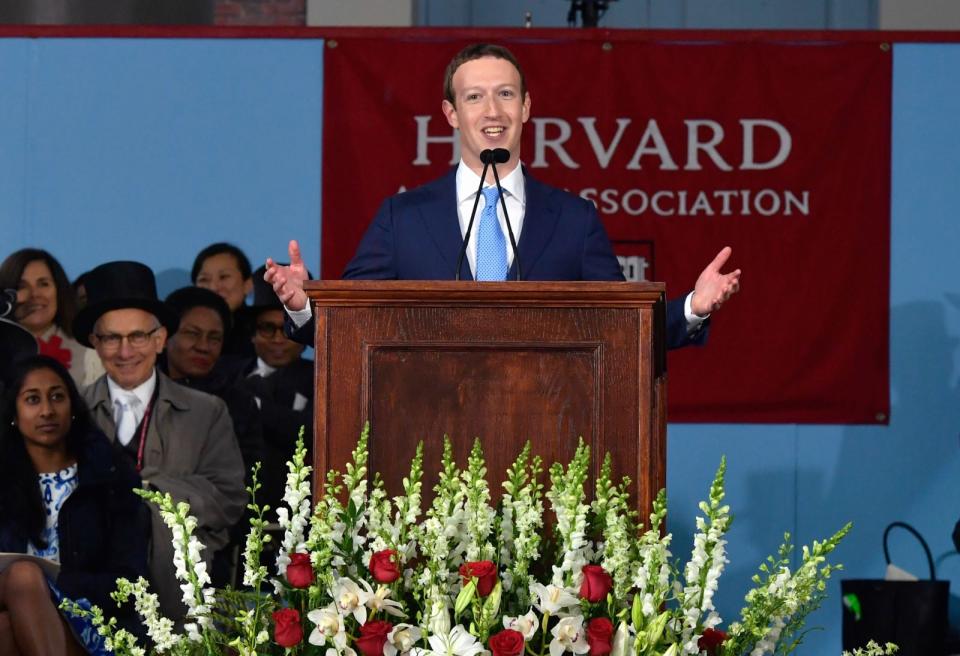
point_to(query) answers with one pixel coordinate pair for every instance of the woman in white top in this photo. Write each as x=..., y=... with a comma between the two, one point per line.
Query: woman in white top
x=46, y=307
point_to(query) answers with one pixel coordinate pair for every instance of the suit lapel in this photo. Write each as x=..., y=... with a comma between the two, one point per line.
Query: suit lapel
x=539, y=223
x=439, y=215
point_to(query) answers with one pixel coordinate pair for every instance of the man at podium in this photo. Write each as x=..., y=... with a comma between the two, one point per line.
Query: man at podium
x=460, y=227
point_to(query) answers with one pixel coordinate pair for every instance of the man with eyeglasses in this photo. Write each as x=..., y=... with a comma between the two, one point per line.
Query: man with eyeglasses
x=180, y=440
x=282, y=382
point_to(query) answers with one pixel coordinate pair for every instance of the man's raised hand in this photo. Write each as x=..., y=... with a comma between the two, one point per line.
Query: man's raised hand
x=287, y=280
x=714, y=288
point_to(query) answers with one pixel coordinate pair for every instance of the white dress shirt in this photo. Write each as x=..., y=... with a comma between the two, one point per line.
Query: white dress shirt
x=514, y=193
x=143, y=392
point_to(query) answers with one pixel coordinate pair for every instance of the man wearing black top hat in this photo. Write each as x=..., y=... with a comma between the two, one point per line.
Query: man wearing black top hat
x=282, y=382
x=180, y=440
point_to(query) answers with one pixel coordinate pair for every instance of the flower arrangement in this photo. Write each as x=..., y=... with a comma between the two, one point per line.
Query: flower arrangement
x=362, y=574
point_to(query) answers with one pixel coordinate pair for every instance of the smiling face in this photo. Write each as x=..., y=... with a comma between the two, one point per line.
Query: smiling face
x=43, y=411
x=221, y=273
x=129, y=360
x=36, y=298
x=488, y=110
x=270, y=342
x=196, y=346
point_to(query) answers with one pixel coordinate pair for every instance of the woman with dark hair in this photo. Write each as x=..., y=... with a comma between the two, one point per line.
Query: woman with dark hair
x=46, y=306
x=67, y=497
x=225, y=269
x=193, y=358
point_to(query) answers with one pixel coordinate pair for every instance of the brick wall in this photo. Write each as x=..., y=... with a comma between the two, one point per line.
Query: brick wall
x=261, y=12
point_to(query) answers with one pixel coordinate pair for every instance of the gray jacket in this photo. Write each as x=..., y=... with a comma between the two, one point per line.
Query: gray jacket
x=191, y=452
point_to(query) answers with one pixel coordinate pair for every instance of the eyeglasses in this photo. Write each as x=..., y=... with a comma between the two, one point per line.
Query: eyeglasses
x=267, y=330
x=194, y=336
x=136, y=339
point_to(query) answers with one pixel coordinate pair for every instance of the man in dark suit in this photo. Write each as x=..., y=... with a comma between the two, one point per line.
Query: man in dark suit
x=416, y=236
x=281, y=381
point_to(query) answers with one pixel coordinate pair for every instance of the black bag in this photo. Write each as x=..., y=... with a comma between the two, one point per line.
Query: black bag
x=912, y=614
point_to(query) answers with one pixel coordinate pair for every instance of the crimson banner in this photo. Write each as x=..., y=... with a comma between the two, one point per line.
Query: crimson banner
x=779, y=150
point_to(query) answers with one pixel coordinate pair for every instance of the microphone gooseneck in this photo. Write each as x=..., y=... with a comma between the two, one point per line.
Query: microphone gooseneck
x=500, y=156
x=486, y=157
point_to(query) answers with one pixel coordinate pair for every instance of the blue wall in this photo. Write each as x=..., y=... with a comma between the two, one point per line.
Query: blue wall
x=152, y=149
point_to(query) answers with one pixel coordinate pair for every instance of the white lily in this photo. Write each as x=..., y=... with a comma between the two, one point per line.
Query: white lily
x=439, y=619
x=458, y=642
x=329, y=627
x=553, y=599
x=622, y=641
x=351, y=598
x=379, y=602
x=568, y=635
x=524, y=624
x=346, y=651
x=401, y=639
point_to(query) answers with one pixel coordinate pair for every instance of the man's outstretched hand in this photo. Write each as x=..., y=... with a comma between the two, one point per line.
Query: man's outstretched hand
x=714, y=288
x=287, y=281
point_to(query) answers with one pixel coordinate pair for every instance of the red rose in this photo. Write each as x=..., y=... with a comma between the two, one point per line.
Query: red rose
x=596, y=583
x=300, y=571
x=373, y=636
x=711, y=640
x=484, y=571
x=287, y=631
x=600, y=636
x=507, y=643
x=383, y=566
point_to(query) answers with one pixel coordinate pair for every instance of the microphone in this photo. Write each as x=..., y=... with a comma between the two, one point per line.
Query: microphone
x=8, y=301
x=486, y=156
x=501, y=156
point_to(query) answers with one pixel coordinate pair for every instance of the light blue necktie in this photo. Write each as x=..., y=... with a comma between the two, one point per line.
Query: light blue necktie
x=491, y=246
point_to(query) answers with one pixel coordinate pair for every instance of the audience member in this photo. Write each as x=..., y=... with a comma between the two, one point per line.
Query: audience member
x=223, y=268
x=190, y=359
x=67, y=497
x=282, y=381
x=46, y=307
x=80, y=290
x=180, y=440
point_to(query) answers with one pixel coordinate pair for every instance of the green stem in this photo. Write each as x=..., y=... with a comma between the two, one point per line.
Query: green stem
x=543, y=632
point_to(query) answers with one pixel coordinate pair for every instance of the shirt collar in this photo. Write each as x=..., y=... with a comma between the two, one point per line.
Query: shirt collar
x=143, y=391
x=263, y=369
x=468, y=181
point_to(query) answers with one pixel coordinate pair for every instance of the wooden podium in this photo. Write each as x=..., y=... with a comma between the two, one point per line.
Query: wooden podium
x=506, y=362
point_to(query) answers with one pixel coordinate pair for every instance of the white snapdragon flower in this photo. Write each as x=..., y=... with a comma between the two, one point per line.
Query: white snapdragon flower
x=328, y=627
x=553, y=599
x=351, y=598
x=159, y=628
x=401, y=639
x=524, y=624
x=458, y=642
x=568, y=635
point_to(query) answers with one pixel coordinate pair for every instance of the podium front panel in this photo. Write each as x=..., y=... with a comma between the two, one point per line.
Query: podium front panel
x=503, y=370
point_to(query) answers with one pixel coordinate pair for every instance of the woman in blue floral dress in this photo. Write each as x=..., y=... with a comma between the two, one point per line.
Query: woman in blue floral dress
x=65, y=496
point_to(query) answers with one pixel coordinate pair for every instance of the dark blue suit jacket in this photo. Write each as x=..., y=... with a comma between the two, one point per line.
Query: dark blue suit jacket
x=416, y=236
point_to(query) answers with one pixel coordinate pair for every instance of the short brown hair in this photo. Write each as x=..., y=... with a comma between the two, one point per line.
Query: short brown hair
x=478, y=51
